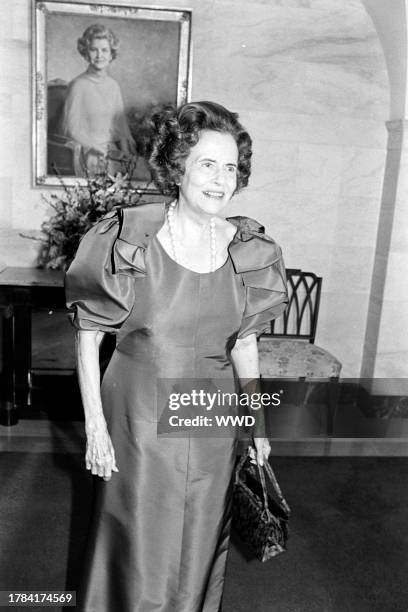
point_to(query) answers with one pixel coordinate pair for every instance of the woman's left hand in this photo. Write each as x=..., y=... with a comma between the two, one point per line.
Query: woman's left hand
x=261, y=452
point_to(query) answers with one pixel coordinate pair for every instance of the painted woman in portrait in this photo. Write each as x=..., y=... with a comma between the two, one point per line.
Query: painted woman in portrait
x=94, y=113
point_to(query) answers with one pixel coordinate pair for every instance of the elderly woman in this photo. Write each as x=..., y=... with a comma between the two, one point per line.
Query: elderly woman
x=94, y=113
x=187, y=292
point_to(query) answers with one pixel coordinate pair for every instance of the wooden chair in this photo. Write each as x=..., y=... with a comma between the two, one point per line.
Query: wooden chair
x=64, y=156
x=289, y=352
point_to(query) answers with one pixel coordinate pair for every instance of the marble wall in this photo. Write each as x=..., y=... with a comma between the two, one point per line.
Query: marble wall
x=309, y=80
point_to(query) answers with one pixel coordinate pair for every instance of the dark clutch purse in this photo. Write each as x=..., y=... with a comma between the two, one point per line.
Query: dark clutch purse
x=260, y=521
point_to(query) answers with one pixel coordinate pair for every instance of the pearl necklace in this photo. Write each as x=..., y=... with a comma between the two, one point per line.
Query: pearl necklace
x=173, y=242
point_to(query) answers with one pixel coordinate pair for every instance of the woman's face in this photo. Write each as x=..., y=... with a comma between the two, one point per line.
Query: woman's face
x=99, y=53
x=210, y=176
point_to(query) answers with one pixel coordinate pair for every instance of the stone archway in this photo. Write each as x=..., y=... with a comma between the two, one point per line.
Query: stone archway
x=385, y=356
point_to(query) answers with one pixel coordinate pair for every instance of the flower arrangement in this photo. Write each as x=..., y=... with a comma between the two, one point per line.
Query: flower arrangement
x=77, y=209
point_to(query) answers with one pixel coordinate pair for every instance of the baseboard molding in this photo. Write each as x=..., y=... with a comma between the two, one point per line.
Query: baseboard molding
x=45, y=436
x=341, y=447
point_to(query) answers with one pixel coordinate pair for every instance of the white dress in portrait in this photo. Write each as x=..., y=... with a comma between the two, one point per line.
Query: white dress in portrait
x=94, y=114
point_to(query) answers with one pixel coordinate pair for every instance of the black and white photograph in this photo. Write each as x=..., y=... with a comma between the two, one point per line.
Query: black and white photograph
x=204, y=305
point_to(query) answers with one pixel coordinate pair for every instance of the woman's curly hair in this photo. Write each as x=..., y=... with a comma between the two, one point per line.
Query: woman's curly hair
x=175, y=131
x=97, y=31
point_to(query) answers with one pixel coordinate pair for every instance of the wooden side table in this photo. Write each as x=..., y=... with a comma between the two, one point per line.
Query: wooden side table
x=21, y=290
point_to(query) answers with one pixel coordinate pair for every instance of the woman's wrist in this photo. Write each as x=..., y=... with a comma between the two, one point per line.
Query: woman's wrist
x=95, y=424
x=259, y=427
x=252, y=389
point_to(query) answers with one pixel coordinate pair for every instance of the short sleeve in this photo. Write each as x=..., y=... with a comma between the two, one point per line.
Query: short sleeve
x=266, y=298
x=258, y=259
x=99, y=298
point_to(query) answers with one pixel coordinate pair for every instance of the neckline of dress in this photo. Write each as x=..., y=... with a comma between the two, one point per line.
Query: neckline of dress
x=233, y=239
x=95, y=77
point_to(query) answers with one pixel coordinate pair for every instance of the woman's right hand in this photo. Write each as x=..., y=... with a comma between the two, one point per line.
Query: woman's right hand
x=100, y=454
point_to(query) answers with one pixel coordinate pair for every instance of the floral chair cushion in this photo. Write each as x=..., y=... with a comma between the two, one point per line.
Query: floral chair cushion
x=293, y=358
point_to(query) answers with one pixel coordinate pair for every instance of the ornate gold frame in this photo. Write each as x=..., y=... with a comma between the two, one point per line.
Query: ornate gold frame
x=41, y=10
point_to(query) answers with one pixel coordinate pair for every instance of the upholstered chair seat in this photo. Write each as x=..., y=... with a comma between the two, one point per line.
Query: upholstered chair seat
x=282, y=358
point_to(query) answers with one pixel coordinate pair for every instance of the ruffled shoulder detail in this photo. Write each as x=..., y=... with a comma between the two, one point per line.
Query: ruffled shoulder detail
x=253, y=252
x=258, y=259
x=135, y=228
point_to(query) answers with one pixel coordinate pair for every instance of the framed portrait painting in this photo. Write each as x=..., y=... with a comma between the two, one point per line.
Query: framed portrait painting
x=99, y=72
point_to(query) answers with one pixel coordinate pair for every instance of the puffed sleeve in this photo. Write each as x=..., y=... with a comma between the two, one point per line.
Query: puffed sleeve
x=99, y=294
x=258, y=259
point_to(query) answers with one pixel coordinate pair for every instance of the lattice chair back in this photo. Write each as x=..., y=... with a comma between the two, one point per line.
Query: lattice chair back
x=300, y=318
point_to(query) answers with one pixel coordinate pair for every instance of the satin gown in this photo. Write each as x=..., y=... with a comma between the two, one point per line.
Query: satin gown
x=160, y=527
